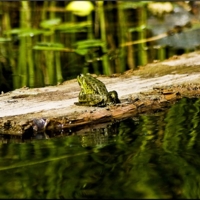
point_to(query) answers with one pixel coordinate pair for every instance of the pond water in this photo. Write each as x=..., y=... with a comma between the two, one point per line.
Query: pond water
x=149, y=156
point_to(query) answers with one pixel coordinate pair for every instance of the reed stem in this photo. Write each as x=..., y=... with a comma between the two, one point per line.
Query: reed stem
x=121, y=37
x=142, y=35
x=106, y=66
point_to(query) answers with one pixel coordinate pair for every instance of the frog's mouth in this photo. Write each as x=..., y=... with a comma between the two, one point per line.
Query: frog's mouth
x=81, y=81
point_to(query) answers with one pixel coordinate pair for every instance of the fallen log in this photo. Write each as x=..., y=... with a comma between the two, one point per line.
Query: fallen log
x=150, y=89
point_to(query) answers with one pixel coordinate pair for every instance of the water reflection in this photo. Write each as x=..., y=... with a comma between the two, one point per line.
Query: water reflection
x=153, y=156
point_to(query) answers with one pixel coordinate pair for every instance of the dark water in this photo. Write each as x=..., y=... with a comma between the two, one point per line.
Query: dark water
x=152, y=156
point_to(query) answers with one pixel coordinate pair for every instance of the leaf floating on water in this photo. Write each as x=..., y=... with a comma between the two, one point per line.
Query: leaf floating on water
x=49, y=44
x=5, y=39
x=74, y=27
x=80, y=8
x=24, y=32
x=89, y=43
x=51, y=47
x=50, y=23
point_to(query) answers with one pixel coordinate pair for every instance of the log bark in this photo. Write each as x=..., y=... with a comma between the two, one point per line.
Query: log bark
x=151, y=88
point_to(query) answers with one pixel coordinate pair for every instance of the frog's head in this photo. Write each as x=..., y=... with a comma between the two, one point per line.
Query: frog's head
x=114, y=97
x=84, y=84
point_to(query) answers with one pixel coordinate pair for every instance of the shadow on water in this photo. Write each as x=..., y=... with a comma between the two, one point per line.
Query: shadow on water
x=152, y=156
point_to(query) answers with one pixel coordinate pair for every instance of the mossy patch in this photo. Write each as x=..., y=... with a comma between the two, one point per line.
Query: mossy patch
x=152, y=70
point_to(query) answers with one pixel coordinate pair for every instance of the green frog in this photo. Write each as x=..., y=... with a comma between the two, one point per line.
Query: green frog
x=94, y=92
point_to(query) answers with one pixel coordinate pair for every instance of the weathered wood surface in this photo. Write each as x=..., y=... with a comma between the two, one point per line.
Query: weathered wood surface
x=55, y=104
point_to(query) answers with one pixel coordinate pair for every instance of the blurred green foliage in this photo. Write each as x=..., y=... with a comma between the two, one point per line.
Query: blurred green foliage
x=47, y=42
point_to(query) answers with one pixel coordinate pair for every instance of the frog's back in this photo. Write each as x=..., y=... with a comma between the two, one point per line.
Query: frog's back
x=96, y=85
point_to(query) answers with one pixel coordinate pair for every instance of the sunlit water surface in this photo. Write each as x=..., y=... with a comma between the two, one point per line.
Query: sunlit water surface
x=150, y=156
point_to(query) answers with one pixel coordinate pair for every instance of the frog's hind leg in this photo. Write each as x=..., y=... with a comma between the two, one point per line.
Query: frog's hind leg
x=113, y=97
x=91, y=100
